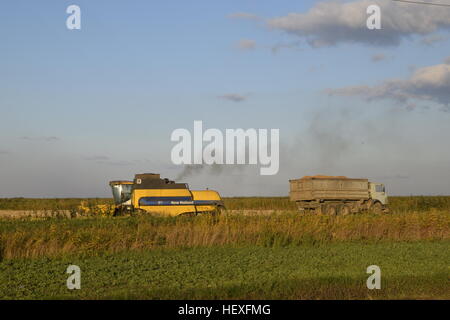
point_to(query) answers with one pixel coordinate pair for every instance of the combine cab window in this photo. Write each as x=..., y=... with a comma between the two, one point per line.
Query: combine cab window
x=122, y=193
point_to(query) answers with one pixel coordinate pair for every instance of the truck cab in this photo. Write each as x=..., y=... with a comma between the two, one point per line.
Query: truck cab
x=378, y=192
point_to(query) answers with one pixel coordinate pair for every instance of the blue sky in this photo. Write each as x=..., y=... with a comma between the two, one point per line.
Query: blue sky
x=82, y=107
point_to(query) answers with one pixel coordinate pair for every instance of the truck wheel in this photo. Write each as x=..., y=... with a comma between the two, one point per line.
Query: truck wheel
x=377, y=208
x=331, y=210
x=346, y=210
x=321, y=210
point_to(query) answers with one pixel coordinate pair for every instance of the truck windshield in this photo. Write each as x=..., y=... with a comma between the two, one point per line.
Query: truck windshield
x=379, y=188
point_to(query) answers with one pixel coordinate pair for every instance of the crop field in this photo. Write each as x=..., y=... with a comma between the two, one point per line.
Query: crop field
x=259, y=248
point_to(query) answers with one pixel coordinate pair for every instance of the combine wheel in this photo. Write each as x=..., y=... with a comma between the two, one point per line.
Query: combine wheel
x=117, y=212
x=188, y=214
x=217, y=211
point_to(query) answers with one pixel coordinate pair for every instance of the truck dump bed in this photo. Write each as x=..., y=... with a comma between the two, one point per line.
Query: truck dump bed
x=329, y=188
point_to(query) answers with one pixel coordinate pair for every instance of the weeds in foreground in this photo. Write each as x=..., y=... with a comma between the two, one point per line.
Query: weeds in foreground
x=91, y=236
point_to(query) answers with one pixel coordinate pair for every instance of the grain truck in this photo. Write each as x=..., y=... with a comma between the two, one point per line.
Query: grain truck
x=148, y=192
x=337, y=195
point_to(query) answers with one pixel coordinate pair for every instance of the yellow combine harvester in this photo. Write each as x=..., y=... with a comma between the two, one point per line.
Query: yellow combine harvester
x=149, y=193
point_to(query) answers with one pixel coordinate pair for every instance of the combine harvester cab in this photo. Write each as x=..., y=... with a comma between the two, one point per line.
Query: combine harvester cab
x=337, y=195
x=149, y=193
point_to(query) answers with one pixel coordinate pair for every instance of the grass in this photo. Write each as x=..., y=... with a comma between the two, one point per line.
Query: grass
x=238, y=255
x=416, y=270
x=49, y=204
x=56, y=237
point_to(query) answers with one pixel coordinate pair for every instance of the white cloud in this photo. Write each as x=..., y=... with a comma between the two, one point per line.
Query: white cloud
x=107, y=161
x=96, y=158
x=46, y=139
x=331, y=23
x=430, y=83
x=246, y=44
x=432, y=39
x=378, y=57
x=292, y=45
x=233, y=97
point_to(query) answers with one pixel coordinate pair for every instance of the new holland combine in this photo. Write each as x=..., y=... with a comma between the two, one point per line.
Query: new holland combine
x=149, y=193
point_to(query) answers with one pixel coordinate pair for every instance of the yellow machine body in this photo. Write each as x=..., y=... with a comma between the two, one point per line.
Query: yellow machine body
x=150, y=193
x=174, y=202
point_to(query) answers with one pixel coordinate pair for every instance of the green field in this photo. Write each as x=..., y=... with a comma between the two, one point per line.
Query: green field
x=335, y=271
x=238, y=255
